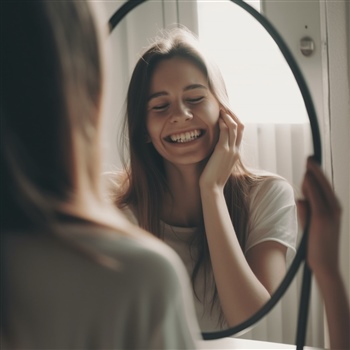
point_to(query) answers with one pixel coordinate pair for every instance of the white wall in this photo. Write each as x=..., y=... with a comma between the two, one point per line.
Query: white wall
x=337, y=35
x=327, y=75
x=338, y=18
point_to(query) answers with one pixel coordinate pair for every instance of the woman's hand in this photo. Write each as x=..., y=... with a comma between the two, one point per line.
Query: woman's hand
x=225, y=154
x=325, y=213
x=324, y=209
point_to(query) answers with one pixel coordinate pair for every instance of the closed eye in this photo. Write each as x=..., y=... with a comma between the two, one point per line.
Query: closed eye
x=160, y=107
x=195, y=100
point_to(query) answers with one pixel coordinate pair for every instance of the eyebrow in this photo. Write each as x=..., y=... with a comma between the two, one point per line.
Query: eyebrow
x=189, y=87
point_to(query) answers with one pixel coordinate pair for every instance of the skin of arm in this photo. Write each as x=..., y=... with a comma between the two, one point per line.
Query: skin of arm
x=323, y=251
x=244, y=285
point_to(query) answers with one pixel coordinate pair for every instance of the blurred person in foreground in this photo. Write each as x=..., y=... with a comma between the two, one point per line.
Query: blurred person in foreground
x=74, y=273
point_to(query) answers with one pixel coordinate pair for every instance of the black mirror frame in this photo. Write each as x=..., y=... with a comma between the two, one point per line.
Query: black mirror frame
x=302, y=249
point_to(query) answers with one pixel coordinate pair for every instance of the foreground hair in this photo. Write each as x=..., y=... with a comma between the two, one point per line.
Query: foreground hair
x=51, y=87
x=143, y=183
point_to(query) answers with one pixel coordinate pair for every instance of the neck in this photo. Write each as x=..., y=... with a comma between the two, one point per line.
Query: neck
x=89, y=199
x=183, y=206
x=90, y=204
x=87, y=196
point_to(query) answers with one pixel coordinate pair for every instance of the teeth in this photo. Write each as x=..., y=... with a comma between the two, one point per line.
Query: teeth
x=185, y=137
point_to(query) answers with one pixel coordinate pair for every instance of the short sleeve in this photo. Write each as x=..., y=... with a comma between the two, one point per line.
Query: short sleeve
x=272, y=215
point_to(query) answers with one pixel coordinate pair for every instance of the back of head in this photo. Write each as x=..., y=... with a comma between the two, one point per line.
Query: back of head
x=50, y=95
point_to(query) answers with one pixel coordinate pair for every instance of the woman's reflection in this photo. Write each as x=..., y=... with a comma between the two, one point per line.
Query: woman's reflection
x=186, y=183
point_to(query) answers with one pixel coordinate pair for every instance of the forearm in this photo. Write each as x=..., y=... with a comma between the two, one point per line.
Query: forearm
x=241, y=293
x=337, y=309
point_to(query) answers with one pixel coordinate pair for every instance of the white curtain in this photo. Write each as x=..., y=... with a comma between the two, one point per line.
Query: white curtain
x=279, y=148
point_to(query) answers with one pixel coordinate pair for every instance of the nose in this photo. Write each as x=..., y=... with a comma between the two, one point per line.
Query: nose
x=181, y=113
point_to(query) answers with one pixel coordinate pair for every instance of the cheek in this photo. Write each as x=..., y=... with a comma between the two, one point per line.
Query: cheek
x=216, y=114
x=216, y=133
x=213, y=114
x=150, y=126
x=154, y=129
x=213, y=120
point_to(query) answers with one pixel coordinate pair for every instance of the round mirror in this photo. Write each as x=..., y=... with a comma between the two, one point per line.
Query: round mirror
x=266, y=90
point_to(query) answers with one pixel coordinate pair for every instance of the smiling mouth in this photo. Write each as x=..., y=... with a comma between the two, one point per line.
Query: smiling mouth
x=185, y=136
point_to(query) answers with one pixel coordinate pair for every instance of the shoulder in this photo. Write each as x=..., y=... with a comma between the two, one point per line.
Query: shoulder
x=272, y=187
x=162, y=292
x=160, y=258
x=144, y=260
x=272, y=213
x=139, y=283
x=138, y=262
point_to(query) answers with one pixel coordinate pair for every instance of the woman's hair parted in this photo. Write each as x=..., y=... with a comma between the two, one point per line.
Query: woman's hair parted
x=144, y=183
x=51, y=88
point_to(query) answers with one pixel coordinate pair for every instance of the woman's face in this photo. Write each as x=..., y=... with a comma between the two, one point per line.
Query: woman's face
x=182, y=113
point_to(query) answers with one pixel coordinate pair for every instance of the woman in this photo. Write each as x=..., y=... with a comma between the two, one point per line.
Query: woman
x=186, y=183
x=75, y=273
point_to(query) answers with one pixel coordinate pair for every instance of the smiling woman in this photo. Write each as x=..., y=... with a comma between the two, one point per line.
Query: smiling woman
x=177, y=135
x=281, y=147
x=187, y=184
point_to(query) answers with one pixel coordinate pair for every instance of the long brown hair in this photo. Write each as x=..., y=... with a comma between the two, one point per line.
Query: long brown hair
x=51, y=85
x=51, y=91
x=144, y=183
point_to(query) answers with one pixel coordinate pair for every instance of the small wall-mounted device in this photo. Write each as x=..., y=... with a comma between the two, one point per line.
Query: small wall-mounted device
x=307, y=46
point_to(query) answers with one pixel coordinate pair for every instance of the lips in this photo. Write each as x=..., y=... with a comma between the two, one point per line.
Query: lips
x=184, y=137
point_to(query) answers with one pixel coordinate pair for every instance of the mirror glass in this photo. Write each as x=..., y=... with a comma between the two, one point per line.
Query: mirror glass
x=262, y=89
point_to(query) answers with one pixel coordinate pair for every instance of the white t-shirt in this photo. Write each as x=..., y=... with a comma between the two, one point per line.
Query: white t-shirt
x=272, y=217
x=58, y=298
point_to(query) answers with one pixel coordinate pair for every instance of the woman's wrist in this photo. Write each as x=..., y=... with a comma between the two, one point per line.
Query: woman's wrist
x=210, y=189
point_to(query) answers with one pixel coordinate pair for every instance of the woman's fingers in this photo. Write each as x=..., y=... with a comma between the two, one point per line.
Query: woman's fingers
x=320, y=180
x=232, y=130
x=324, y=211
x=225, y=155
x=235, y=129
x=318, y=191
x=224, y=138
x=239, y=129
